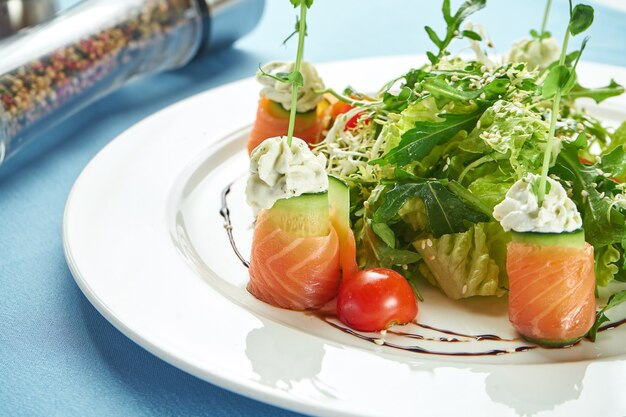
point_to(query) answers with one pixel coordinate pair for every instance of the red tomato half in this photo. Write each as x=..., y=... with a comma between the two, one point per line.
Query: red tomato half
x=341, y=107
x=375, y=299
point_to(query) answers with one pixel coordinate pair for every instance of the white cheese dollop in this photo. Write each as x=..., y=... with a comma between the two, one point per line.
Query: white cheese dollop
x=279, y=171
x=281, y=92
x=520, y=210
x=538, y=54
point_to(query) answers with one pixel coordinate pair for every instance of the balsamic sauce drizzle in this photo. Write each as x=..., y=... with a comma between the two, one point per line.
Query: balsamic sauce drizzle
x=225, y=213
x=414, y=348
x=327, y=317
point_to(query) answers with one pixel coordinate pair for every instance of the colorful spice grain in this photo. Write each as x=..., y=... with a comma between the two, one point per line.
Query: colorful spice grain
x=147, y=36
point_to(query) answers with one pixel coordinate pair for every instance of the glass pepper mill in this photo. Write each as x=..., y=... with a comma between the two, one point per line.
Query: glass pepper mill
x=53, y=70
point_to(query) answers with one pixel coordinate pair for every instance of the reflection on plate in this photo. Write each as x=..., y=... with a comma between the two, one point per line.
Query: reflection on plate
x=146, y=243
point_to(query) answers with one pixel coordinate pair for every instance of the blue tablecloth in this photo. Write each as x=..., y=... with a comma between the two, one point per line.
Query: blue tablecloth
x=58, y=356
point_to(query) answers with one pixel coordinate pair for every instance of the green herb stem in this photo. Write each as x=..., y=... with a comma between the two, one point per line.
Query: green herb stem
x=348, y=100
x=545, y=18
x=541, y=192
x=294, y=86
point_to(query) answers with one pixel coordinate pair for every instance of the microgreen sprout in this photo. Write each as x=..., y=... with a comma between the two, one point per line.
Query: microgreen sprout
x=543, y=34
x=453, y=29
x=560, y=80
x=294, y=77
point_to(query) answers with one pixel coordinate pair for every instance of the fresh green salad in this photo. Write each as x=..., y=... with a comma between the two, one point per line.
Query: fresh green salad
x=431, y=154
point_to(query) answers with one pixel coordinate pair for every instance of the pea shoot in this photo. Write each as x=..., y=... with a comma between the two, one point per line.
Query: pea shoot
x=560, y=80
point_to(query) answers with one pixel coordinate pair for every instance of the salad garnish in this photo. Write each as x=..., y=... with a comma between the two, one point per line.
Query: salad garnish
x=560, y=80
x=428, y=157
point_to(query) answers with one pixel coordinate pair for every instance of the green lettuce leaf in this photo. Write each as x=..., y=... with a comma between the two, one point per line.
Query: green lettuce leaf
x=606, y=258
x=516, y=132
x=491, y=189
x=466, y=264
x=373, y=252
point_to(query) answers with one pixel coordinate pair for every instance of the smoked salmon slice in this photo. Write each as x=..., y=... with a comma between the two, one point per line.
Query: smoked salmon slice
x=551, y=292
x=297, y=273
x=272, y=120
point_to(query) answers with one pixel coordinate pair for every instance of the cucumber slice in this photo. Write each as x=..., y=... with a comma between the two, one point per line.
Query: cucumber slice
x=339, y=201
x=575, y=239
x=304, y=216
x=309, y=215
x=277, y=110
x=553, y=343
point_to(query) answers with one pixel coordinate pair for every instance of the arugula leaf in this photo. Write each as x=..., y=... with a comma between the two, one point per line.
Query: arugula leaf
x=385, y=233
x=470, y=34
x=397, y=103
x=597, y=94
x=615, y=163
x=446, y=213
x=453, y=27
x=440, y=88
x=603, y=223
x=416, y=143
x=373, y=252
x=615, y=300
x=469, y=198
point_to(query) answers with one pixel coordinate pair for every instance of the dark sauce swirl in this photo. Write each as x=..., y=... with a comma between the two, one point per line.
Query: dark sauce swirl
x=228, y=226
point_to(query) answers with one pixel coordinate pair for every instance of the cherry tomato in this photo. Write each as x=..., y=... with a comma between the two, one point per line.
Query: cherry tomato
x=341, y=107
x=375, y=299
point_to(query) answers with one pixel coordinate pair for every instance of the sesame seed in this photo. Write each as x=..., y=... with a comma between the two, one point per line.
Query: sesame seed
x=464, y=290
x=606, y=175
x=379, y=342
x=432, y=257
x=584, y=193
x=423, y=244
x=429, y=243
x=383, y=332
x=602, y=194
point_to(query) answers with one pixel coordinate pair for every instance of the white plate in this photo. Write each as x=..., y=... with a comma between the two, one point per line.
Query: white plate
x=145, y=242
